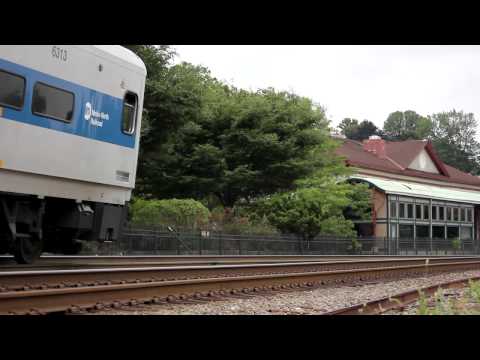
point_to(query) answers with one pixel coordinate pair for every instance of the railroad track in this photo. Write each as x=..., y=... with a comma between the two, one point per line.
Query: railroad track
x=400, y=300
x=73, y=290
x=43, y=279
x=78, y=262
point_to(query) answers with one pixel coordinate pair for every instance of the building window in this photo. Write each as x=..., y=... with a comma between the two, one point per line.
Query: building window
x=52, y=102
x=393, y=209
x=438, y=232
x=129, y=113
x=462, y=214
x=449, y=213
x=426, y=214
x=393, y=231
x=441, y=213
x=469, y=215
x=434, y=213
x=402, y=210
x=466, y=233
x=12, y=90
x=452, y=232
x=423, y=232
x=455, y=214
x=405, y=231
x=410, y=211
x=418, y=211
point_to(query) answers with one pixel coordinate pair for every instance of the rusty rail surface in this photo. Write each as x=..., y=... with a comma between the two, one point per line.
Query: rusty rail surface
x=85, y=290
x=42, y=279
x=81, y=260
x=76, y=262
x=400, y=300
x=94, y=262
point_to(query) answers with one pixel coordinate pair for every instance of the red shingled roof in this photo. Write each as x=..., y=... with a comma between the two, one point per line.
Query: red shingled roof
x=399, y=155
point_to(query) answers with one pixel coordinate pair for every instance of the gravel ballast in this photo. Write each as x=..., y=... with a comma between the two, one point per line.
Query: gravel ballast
x=307, y=302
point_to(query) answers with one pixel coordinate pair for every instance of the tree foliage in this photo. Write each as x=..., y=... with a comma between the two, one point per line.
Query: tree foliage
x=204, y=137
x=354, y=130
x=404, y=125
x=453, y=134
x=348, y=127
x=172, y=212
x=320, y=209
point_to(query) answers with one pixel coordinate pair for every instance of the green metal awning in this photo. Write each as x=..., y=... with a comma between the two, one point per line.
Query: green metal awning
x=399, y=187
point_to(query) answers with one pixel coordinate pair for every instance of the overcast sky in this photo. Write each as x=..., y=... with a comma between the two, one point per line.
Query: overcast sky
x=363, y=82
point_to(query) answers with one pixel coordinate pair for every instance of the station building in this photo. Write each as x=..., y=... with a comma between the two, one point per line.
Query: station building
x=414, y=194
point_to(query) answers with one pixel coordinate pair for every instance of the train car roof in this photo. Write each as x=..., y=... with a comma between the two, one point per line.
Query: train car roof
x=122, y=53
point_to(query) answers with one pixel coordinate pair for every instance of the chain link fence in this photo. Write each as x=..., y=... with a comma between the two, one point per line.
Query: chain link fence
x=169, y=241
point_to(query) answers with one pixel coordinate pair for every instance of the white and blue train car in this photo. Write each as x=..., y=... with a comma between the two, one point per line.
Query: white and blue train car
x=70, y=118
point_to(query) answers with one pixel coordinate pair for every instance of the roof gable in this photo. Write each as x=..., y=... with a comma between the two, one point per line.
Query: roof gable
x=399, y=158
x=404, y=152
x=411, y=154
x=423, y=162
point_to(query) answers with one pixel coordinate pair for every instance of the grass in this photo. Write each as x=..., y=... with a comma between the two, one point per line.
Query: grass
x=468, y=304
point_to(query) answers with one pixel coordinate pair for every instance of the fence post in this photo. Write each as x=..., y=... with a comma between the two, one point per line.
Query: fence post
x=200, y=244
x=177, y=239
x=220, y=243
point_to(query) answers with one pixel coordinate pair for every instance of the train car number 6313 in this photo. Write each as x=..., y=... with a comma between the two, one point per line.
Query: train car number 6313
x=59, y=53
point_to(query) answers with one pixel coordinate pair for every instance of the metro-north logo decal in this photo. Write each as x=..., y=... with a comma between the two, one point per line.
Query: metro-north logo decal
x=95, y=117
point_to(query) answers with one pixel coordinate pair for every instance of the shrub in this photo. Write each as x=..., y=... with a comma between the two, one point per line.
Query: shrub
x=456, y=244
x=171, y=212
x=355, y=246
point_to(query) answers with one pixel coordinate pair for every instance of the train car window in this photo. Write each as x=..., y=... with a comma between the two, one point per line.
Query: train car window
x=53, y=102
x=129, y=115
x=12, y=90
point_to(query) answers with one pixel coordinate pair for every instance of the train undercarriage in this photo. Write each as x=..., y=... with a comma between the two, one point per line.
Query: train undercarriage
x=30, y=225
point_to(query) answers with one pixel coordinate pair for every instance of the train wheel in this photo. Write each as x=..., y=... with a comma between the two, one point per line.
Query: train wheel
x=27, y=249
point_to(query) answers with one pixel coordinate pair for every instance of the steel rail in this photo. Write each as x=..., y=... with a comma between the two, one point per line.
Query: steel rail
x=25, y=280
x=96, y=262
x=218, y=258
x=400, y=300
x=54, y=300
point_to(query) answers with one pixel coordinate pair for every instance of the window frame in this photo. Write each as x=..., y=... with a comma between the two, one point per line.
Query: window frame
x=24, y=91
x=135, y=119
x=50, y=116
x=418, y=214
x=410, y=206
x=441, y=210
x=449, y=213
x=428, y=215
x=393, y=209
x=469, y=215
x=456, y=211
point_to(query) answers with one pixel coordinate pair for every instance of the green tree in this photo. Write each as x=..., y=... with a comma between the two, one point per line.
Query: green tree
x=354, y=130
x=177, y=212
x=241, y=145
x=406, y=125
x=348, y=127
x=453, y=135
x=365, y=130
x=174, y=96
x=323, y=203
x=311, y=211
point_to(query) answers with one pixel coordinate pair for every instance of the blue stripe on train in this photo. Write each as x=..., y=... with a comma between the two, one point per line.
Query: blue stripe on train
x=110, y=131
